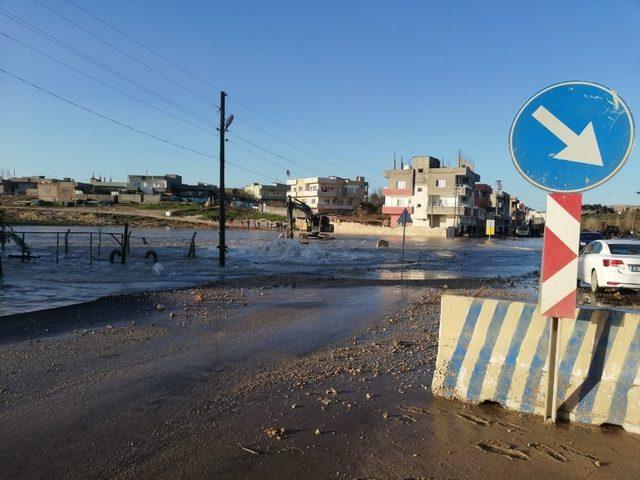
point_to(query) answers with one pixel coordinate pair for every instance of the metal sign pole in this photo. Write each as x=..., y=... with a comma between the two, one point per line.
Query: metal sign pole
x=404, y=228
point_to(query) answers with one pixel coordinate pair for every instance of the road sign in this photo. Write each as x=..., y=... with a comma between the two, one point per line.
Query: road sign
x=491, y=227
x=404, y=218
x=571, y=136
x=560, y=255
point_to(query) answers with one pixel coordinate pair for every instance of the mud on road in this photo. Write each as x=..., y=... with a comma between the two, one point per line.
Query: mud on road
x=278, y=377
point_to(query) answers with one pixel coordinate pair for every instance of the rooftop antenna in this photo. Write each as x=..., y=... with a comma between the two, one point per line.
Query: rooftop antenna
x=401, y=162
x=394, y=160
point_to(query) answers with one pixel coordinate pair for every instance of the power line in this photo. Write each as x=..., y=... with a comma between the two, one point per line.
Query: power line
x=240, y=102
x=149, y=49
x=239, y=137
x=92, y=60
x=211, y=130
x=119, y=50
x=95, y=79
x=260, y=156
x=125, y=125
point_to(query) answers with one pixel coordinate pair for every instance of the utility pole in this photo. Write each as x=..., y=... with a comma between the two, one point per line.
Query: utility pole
x=224, y=125
x=221, y=217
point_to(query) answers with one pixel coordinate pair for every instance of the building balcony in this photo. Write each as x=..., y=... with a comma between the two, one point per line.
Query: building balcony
x=396, y=210
x=397, y=192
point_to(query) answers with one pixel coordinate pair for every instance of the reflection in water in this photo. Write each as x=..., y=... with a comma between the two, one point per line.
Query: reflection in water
x=41, y=283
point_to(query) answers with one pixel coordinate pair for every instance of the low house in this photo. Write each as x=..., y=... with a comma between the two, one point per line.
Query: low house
x=57, y=191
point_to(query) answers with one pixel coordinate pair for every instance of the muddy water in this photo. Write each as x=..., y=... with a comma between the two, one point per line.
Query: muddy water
x=43, y=283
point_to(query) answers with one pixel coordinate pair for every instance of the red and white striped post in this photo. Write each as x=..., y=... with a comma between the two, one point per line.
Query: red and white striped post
x=558, y=279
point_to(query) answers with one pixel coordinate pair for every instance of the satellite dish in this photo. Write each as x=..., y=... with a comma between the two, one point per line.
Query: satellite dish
x=229, y=121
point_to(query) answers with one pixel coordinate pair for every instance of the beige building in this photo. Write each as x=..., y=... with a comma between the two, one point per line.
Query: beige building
x=57, y=191
x=274, y=192
x=437, y=197
x=330, y=194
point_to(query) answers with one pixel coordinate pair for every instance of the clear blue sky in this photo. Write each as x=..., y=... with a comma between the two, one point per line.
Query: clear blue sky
x=362, y=78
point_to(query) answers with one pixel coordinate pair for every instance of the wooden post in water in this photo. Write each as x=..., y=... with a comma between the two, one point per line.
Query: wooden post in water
x=125, y=240
x=90, y=248
x=66, y=241
x=192, y=246
x=57, y=246
x=23, y=248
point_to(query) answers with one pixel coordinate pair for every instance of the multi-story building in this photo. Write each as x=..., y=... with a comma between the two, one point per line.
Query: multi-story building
x=276, y=192
x=154, y=183
x=501, y=209
x=330, y=194
x=482, y=205
x=436, y=196
x=517, y=212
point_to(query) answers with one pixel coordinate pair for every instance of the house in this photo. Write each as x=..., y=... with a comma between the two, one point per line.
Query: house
x=276, y=192
x=437, y=196
x=167, y=183
x=330, y=194
x=57, y=191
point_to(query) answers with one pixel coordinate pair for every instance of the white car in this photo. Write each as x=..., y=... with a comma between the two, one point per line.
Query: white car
x=610, y=264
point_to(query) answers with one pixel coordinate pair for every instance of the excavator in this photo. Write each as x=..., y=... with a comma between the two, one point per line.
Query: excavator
x=317, y=225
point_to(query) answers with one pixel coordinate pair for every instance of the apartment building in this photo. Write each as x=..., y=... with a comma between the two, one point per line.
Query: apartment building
x=276, y=192
x=436, y=196
x=330, y=194
x=482, y=205
x=501, y=209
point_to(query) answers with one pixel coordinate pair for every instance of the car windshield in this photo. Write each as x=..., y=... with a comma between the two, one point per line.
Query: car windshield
x=624, y=248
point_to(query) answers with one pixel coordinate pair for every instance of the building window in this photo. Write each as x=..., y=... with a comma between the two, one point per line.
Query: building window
x=441, y=183
x=419, y=189
x=313, y=200
x=419, y=205
x=420, y=170
x=401, y=184
x=399, y=202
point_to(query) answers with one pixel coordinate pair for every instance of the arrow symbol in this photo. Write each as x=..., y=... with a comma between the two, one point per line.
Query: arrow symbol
x=582, y=148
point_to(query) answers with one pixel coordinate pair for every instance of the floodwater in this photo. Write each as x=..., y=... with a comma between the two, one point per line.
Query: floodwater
x=42, y=283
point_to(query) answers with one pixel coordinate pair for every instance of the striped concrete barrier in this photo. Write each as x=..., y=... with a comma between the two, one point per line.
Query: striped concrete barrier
x=492, y=350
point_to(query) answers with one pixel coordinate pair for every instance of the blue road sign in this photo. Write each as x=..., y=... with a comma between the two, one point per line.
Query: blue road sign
x=405, y=218
x=571, y=136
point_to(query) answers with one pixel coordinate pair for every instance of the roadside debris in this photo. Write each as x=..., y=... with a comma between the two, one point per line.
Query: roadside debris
x=274, y=432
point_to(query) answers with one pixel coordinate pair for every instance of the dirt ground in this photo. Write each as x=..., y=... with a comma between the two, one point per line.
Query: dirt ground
x=277, y=377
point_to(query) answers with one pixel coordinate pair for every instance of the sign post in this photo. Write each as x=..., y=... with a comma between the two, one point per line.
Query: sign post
x=403, y=219
x=567, y=138
x=490, y=227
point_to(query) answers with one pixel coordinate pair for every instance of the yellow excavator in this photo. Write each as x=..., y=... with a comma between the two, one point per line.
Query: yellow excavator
x=316, y=225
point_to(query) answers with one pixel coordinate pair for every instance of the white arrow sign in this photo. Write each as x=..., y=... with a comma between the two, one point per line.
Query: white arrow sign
x=581, y=148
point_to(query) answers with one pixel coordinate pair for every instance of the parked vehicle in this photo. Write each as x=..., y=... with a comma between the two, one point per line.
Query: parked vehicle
x=610, y=264
x=586, y=237
x=523, y=232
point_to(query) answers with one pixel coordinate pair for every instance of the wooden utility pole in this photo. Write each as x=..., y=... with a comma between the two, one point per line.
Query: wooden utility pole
x=221, y=210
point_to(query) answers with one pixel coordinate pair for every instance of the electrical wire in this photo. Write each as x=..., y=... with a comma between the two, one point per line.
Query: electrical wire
x=131, y=57
x=92, y=60
x=113, y=87
x=260, y=156
x=236, y=99
x=125, y=125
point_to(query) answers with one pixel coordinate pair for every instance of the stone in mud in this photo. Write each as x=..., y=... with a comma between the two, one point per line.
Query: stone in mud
x=382, y=244
x=274, y=432
x=160, y=307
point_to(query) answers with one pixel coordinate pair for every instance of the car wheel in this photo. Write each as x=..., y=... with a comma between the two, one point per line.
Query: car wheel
x=594, y=282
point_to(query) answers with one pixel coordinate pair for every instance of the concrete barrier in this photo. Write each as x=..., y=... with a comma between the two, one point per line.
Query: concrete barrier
x=497, y=351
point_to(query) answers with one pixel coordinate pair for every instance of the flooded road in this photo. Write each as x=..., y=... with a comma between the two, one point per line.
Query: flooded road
x=41, y=283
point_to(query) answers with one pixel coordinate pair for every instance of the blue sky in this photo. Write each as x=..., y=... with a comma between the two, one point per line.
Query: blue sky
x=364, y=79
